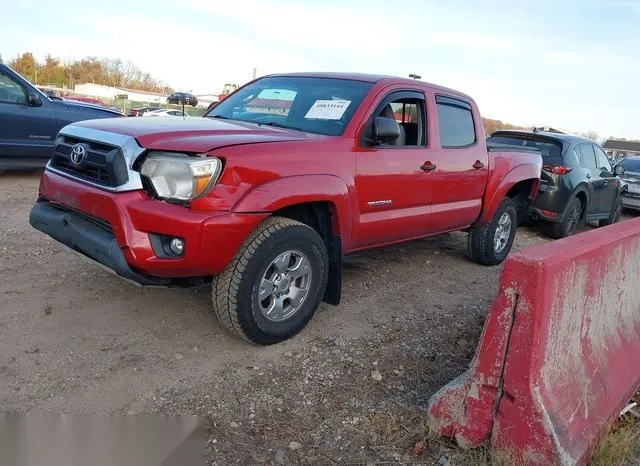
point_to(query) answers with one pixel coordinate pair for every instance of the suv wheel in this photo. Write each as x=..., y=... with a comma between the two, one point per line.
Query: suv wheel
x=571, y=221
x=274, y=284
x=615, y=215
x=490, y=244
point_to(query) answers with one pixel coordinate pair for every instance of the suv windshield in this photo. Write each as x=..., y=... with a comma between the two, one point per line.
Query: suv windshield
x=631, y=164
x=549, y=149
x=315, y=105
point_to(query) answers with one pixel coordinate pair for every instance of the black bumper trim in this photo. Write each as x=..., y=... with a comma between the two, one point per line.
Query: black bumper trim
x=85, y=237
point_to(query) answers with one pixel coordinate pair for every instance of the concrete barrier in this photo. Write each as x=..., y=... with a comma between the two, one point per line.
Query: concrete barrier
x=559, y=356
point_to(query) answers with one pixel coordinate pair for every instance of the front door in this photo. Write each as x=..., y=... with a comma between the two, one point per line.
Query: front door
x=25, y=130
x=609, y=181
x=394, y=181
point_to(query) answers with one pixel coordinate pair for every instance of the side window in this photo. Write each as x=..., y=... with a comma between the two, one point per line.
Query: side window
x=11, y=92
x=587, y=156
x=602, y=160
x=409, y=113
x=455, y=122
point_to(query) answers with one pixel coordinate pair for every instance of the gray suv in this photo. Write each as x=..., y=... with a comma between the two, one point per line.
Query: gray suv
x=577, y=183
x=30, y=120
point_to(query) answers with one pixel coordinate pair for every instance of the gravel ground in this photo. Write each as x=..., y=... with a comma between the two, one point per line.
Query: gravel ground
x=351, y=388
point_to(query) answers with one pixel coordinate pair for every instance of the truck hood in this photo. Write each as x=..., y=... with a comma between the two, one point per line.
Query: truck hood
x=194, y=134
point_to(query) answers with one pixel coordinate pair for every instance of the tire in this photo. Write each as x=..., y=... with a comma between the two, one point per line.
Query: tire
x=571, y=222
x=615, y=215
x=483, y=245
x=262, y=260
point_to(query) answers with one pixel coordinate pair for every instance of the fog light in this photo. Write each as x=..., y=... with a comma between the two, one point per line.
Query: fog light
x=177, y=246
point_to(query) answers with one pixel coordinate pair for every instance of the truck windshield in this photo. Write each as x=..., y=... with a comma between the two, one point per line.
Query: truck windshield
x=314, y=105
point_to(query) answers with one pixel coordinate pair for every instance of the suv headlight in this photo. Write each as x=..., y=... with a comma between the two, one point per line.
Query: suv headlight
x=180, y=177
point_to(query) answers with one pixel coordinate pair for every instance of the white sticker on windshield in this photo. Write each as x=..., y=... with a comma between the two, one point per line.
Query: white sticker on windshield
x=327, y=109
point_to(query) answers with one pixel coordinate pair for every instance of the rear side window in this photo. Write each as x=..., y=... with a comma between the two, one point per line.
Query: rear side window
x=587, y=156
x=455, y=121
x=548, y=149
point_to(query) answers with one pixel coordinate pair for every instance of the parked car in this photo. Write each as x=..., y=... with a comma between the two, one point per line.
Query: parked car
x=30, y=120
x=182, y=98
x=264, y=200
x=577, y=184
x=136, y=112
x=631, y=179
x=164, y=112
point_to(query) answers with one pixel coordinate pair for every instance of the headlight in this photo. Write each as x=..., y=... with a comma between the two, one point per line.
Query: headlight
x=178, y=176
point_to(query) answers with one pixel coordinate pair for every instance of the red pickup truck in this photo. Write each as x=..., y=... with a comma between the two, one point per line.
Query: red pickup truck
x=266, y=193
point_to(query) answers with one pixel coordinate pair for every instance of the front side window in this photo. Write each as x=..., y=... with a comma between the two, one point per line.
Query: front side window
x=11, y=92
x=602, y=160
x=455, y=122
x=409, y=114
x=631, y=164
x=315, y=105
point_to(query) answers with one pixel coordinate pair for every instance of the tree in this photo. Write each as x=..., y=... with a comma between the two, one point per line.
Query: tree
x=593, y=135
x=105, y=71
x=26, y=65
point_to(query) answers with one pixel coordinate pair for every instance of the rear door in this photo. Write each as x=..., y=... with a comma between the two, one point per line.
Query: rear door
x=25, y=130
x=463, y=164
x=609, y=181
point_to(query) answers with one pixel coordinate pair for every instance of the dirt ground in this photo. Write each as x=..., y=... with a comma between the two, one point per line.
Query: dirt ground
x=76, y=339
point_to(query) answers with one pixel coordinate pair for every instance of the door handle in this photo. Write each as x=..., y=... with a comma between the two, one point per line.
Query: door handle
x=589, y=175
x=428, y=166
x=478, y=165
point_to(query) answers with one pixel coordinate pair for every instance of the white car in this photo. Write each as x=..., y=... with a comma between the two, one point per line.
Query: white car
x=164, y=112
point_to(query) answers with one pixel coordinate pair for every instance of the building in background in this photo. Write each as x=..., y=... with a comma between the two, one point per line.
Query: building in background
x=618, y=149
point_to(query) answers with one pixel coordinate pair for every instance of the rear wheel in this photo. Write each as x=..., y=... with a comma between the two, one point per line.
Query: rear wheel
x=615, y=215
x=274, y=284
x=571, y=221
x=490, y=244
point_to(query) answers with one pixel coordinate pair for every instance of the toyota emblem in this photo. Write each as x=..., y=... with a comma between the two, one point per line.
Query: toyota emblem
x=78, y=153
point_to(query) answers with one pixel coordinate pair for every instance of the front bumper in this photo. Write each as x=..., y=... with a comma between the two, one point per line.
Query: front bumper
x=113, y=229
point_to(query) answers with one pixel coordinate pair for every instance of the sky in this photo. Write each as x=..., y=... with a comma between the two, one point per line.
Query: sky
x=571, y=64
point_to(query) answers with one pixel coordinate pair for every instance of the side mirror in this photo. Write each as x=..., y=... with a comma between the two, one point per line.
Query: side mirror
x=618, y=170
x=34, y=100
x=385, y=130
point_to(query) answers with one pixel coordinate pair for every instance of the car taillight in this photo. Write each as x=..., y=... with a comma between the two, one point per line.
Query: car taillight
x=557, y=169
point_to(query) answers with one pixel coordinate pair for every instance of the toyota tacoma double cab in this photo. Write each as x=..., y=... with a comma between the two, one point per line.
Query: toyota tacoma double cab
x=264, y=195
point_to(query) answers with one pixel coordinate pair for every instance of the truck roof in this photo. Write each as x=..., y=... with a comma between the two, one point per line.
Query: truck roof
x=372, y=78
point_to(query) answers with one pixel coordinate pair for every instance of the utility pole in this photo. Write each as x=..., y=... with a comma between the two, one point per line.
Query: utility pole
x=255, y=73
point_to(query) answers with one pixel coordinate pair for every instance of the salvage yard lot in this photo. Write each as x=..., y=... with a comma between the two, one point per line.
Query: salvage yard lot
x=76, y=339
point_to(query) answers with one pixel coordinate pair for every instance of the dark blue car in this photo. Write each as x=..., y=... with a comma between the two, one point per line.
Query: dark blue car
x=30, y=120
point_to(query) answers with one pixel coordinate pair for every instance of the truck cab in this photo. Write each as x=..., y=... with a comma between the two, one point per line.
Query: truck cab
x=265, y=194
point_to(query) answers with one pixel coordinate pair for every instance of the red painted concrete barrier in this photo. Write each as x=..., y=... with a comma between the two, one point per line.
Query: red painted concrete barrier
x=559, y=356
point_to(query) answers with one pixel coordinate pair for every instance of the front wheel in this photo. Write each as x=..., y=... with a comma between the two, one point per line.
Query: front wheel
x=490, y=244
x=274, y=284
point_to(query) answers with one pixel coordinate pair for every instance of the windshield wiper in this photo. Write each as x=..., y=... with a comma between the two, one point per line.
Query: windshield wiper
x=220, y=117
x=280, y=125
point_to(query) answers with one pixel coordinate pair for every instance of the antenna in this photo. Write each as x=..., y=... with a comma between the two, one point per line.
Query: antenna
x=415, y=76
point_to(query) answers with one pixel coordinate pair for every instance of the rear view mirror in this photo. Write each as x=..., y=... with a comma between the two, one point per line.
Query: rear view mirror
x=34, y=100
x=385, y=130
x=618, y=170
